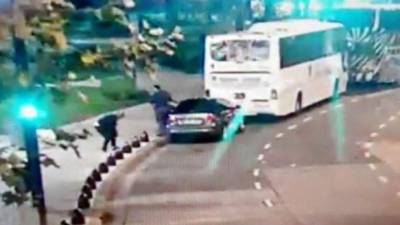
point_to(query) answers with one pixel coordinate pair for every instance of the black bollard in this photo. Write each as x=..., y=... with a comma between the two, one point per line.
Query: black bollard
x=119, y=155
x=103, y=168
x=77, y=217
x=96, y=175
x=127, y=149
x=64, y=222
x=87, y=191
x=135, y=143
x=83, y=202
x=111, y=161
x=91, y=183
x=144, y=137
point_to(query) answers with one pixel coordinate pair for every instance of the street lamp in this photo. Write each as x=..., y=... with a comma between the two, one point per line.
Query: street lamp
x=28, y=115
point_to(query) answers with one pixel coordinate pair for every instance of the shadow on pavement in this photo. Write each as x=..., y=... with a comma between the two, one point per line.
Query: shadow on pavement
x=369, y=88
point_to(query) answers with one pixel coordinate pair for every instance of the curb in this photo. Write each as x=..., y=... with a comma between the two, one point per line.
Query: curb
x=96, y=183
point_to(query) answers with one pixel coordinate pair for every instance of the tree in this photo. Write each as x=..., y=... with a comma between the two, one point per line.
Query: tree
x=42, y=22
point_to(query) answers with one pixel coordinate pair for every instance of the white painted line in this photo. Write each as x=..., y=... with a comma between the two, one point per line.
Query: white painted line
x=293, y=165
x=367, y=155
x=257, y=185
x=374, y=135
x=382, y=126
x=292, y=127
x=268, y=203
x=383, y=179
x=308, y=119
x=372, y=166
x=340, y=105
x=392, y=118
x=322, y=112
x=260, y=157
x=267, y=146
x=280, y=135
x=256, y=172
x=354, y=100
x=368, y=145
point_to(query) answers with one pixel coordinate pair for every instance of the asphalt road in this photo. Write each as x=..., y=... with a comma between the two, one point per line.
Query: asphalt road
x=334, y=164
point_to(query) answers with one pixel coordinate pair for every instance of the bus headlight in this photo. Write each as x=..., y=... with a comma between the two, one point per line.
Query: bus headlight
x=274, y=94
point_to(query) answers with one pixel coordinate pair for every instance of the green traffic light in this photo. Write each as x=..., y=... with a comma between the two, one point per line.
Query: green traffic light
x=29, y=112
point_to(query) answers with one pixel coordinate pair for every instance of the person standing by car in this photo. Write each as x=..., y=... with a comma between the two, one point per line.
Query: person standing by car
x=161, y=101
x=107, y=127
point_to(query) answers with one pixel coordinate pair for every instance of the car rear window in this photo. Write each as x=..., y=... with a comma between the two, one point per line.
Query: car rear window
x=199, y=106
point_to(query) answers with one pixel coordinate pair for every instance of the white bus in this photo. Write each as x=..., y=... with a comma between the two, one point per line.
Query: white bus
x=277, y=68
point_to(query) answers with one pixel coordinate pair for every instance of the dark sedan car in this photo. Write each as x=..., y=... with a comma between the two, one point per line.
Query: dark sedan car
x=206, y=117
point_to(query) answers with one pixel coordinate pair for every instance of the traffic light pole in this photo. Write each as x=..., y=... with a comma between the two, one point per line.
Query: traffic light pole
x=34, y=170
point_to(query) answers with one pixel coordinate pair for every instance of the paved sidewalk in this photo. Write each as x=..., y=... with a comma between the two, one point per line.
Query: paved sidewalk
x=63, y=185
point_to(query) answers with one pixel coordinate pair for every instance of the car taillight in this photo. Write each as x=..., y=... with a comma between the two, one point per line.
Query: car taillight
x=172, y=120
x=211, y=119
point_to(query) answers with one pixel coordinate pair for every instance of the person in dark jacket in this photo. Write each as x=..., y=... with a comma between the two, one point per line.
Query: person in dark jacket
x=107, y=127
x=161, y=101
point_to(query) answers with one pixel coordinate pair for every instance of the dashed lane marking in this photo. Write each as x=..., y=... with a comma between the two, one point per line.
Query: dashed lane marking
x=308, y=119
x=383, y=179
x=256, y=172
x=374, y=135
x=354, y=100
x=257, y=185
x=322, y=112
x=367, y=155
x=368, y=145
x=260, y=157
x=372, y=166
x=267, y=146
x=280, y=135
x=382, y=126
x=292, y=127
x=392, y=118
x=268, y=203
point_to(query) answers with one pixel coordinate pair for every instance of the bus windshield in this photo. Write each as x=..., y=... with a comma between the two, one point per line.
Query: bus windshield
x=240, y=50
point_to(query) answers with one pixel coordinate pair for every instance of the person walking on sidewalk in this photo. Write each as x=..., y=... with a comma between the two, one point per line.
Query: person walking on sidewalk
x=107, y=127
x=161, y=101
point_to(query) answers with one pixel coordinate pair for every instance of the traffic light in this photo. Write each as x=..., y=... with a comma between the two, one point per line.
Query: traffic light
x=29, y=112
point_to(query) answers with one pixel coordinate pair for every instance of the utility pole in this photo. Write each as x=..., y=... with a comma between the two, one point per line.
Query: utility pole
x=28, y=115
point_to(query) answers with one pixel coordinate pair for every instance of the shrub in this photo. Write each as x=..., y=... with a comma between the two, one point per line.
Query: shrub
x=121, y=88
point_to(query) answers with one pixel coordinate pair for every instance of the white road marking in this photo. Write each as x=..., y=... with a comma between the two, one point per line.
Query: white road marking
x=256, y=172
x=292, y=127
x=354, y=100
x=268, y=203
x=257, y=185
x=372, y=166
x=367, y=155
x=368, y=145
x=374, y=135
x=383, y=179
x=392, y=118
x=340, y=105
x=293, y=165
x=308, y=119
x=382, y=126
x=280, y=135
x=267, y=146
x=260, y=157
x=322, y=112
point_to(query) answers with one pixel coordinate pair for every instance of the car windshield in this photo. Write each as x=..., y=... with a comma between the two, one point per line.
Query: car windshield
x=240, y=50
x=199, y=106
